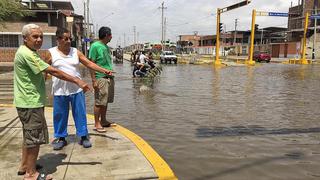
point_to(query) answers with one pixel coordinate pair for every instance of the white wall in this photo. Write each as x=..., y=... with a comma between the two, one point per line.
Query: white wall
x=47, y=43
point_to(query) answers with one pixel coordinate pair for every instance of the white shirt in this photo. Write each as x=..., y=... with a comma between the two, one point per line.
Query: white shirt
x=142, y=58
x=68, y=64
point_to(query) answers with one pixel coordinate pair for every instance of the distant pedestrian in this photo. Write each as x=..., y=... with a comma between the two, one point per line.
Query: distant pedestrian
x=68, y=59
x=103, y=84
x=29, y=98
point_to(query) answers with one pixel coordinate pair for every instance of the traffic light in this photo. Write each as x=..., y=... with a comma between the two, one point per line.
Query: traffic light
x=256, y=27
x=220, y=27
x=285, y=37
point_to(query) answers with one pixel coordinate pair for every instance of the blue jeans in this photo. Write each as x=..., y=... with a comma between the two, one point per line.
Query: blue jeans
x=61, y=114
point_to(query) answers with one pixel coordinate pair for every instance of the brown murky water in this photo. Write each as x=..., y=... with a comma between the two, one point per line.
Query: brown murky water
x=259, y=122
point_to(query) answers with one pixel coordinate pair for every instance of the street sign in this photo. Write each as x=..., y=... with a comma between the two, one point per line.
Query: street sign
x=315, y=16
x=278, y=14
x=86, y=39
x=262, y=13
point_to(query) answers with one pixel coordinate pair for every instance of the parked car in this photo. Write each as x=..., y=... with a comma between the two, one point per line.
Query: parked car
x=261, y=56
x=168, y=57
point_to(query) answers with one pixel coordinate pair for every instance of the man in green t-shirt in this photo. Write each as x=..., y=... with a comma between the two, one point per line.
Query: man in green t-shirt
x=103, y=84
x=29, y=98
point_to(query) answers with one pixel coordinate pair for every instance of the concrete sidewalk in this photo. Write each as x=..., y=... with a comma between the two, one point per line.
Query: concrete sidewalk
x=114, y=155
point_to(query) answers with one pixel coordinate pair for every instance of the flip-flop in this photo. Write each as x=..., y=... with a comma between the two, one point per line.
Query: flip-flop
x=100, y=130
x=43, y=176
x=110, y=124
x=21, y=173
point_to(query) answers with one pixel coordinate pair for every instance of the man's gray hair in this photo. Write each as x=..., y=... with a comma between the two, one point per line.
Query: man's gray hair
x=26, y=30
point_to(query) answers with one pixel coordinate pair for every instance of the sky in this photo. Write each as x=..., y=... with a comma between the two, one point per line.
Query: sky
x=183, y=17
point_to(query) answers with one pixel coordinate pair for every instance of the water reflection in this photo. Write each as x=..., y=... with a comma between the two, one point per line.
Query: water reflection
x=205, y=132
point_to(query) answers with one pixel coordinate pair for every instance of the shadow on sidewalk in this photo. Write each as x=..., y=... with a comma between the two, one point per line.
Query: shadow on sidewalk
x=51, y=161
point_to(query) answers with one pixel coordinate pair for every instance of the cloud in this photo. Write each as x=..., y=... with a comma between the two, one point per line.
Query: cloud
x=183, y=17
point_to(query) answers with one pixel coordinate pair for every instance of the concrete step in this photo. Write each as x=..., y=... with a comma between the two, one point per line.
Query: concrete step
x=6, y=99
x=6, y=89
x=5, y=85
x=8, y=93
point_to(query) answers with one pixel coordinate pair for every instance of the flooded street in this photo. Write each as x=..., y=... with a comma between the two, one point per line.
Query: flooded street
x=257, y=122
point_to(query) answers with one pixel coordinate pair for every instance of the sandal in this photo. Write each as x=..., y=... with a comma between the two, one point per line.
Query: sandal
x=21, y=173
x=43, y=176
x=110, y=124
x=100, y=130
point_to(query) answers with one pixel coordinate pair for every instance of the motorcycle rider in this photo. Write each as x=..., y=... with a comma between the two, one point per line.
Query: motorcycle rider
x=142, y=62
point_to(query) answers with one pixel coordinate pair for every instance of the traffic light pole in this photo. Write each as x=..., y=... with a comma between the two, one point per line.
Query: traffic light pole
x=219, y=11
x=250, y=58
x=303, y=52
x=218, y=62
x=315, y=34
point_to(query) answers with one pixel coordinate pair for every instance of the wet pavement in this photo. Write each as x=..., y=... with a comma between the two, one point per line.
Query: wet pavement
x=258, y=122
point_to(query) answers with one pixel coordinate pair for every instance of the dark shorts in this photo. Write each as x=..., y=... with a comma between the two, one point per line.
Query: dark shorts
x=105, y=94
x=34, y=125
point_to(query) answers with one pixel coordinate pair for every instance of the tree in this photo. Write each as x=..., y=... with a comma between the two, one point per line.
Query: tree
x=12, y=10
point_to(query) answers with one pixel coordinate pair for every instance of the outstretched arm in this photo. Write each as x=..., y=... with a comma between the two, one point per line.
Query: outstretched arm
x=92, y=65
x=48, y=60
x=64, y=76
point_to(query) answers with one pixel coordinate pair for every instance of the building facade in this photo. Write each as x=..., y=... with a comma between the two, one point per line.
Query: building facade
x=49, y=15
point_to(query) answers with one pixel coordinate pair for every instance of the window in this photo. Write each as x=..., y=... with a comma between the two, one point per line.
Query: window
x=8, y=40
x=53, y=41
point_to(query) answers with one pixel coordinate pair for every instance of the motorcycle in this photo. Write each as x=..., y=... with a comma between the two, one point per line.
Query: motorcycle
x=149, y=69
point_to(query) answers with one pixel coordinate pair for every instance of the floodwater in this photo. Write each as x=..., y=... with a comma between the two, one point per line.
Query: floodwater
x=259, y=122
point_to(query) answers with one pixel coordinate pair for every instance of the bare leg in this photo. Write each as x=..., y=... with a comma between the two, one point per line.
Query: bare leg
x=32, y=155
x=97, y=114
x=23, y=165
x=31, y=158
x=103, y=111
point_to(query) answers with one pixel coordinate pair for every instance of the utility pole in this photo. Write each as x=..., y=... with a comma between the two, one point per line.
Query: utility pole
x=86, y=15
x=97, y=31
x=138, y=40
x=217, y=61
x=165, y=32
x=235, y=31
x=134, y=37
x=261, y=37
x=85, y=32
x=124, y=39
x=314, y=34
x=162, y=23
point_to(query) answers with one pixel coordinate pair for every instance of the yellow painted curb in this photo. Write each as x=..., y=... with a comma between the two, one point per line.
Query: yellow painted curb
x=7, y=105
x=162, y=169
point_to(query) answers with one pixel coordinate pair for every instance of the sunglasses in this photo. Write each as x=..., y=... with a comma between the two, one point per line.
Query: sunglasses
x=66, y=38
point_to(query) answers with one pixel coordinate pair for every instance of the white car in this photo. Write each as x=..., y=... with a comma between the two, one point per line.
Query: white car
x=168, y=57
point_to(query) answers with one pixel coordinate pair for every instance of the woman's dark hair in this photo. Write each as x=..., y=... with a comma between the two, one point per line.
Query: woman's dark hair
x=61, y=31
x=104, y=31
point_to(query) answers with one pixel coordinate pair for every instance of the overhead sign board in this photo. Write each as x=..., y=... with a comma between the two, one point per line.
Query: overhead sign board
x=262, y=13
x=316, y=16
x=278, y=14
